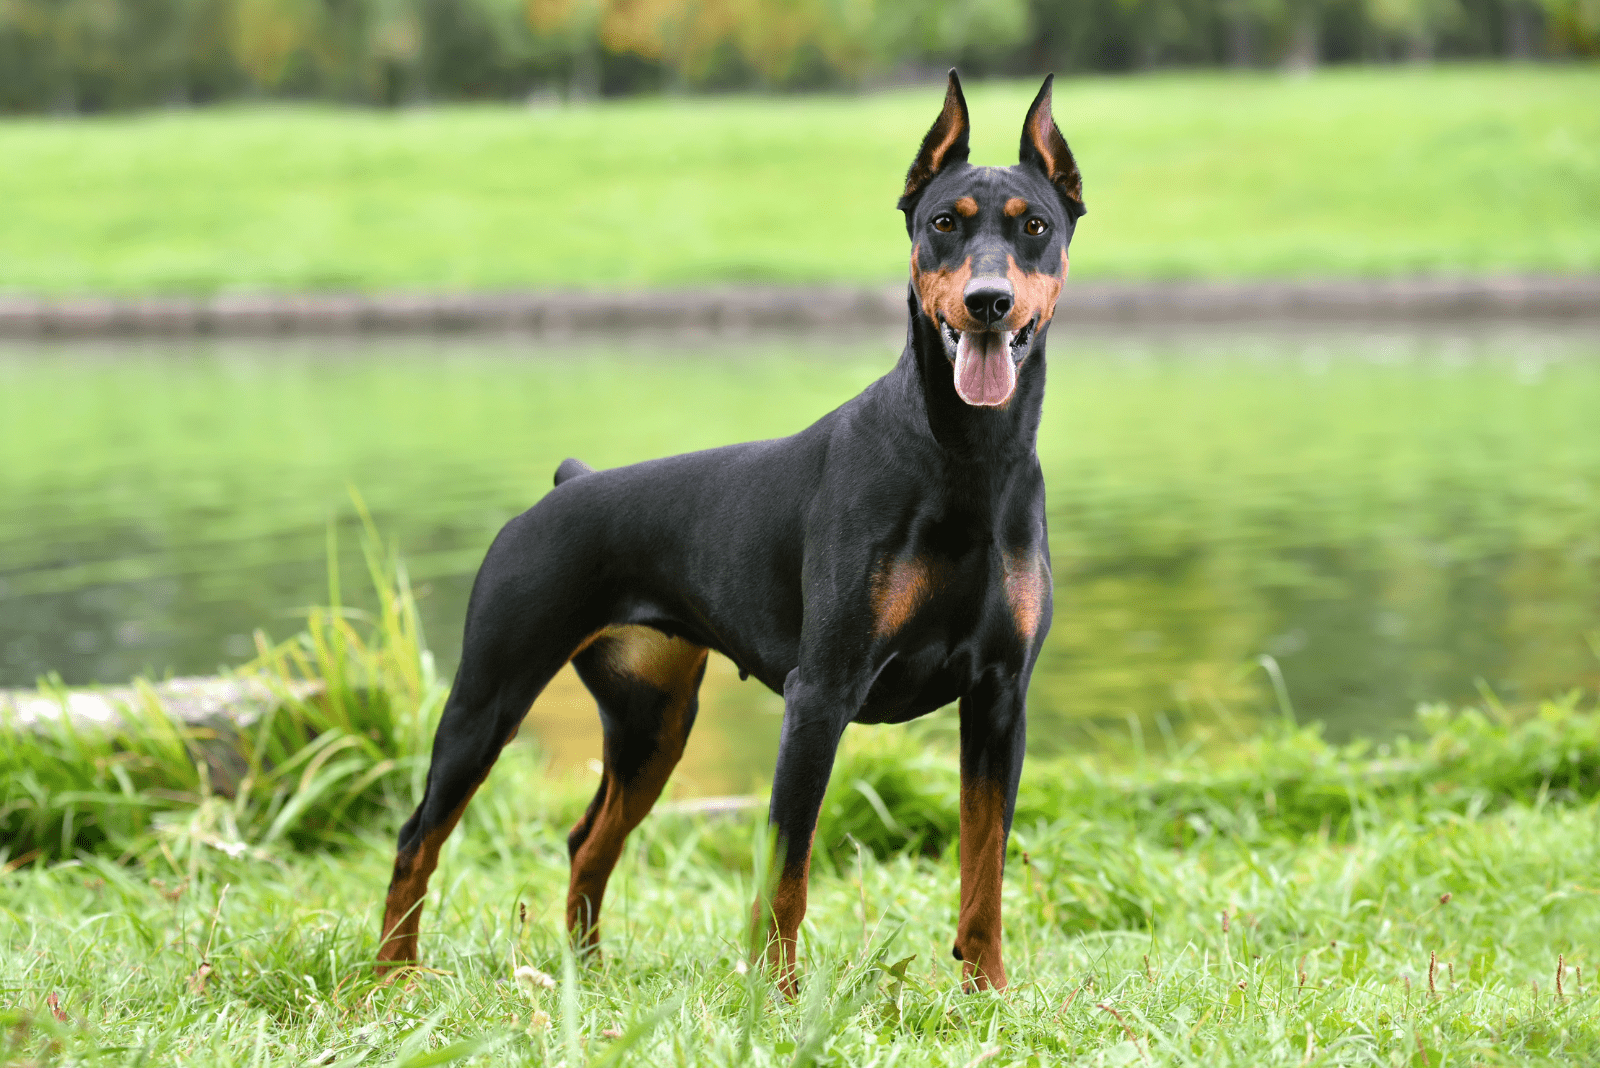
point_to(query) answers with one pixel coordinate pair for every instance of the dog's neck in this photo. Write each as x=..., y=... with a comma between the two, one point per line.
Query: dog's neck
x=969, y=434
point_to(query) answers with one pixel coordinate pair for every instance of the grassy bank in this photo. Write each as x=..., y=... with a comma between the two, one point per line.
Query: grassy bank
x=1282, y=901
x=1420, y=934
x=1355, y=172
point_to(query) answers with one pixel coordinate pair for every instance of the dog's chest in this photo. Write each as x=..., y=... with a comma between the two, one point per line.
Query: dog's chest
x=938, y=623
x=925, y=597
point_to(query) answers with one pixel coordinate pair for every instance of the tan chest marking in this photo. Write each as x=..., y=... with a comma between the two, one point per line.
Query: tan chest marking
x=899, y=588
x=1026, y=578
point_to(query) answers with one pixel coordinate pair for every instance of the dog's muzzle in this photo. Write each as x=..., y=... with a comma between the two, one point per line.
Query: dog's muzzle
x=986, y=361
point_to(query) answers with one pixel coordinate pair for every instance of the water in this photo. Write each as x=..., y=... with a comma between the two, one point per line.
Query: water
x=1394, y=517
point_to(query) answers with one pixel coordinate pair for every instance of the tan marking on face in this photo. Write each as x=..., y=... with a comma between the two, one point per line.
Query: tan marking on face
x=1034, y=293
x=1016, y=206
x=899, y=588
x=943, y=292
x=1027, y=581
x=967, y=206
x=983, y=850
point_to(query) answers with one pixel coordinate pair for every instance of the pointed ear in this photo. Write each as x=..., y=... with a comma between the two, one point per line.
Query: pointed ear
x=1044, y=147
x=945, y=144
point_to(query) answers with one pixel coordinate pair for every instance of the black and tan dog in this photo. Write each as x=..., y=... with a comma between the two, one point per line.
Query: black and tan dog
x=884, y=562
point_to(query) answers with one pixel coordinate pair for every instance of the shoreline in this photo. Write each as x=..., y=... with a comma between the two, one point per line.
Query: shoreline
x=736, y=309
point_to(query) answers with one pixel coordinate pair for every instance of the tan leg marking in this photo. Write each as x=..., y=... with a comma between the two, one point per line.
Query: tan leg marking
x=402, y=908
x=1027, y=581
x=983, y=844
x=782, y=923
x=673, y=666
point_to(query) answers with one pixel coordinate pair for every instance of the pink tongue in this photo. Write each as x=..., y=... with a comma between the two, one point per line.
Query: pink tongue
x=984, y=374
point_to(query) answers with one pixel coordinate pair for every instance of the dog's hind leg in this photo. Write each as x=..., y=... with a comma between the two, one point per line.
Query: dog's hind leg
x=647, y=686
x=533, y=608
x=469, y=739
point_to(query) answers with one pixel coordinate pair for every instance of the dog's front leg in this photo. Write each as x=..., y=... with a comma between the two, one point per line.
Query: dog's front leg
x=993, y=733
x=814, y=718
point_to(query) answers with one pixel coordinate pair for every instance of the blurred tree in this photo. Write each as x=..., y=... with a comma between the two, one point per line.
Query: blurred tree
x=75, y=55
x=1415, y=22
x=976, y=33
x=269, y=33
x=390, y=39
x=1574, y=26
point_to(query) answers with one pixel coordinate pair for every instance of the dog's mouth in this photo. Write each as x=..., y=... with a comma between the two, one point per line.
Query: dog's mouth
x=986, y=361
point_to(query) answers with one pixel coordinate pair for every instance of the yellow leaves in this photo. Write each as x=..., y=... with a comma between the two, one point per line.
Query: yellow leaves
x=773, y=36
x=267, y=33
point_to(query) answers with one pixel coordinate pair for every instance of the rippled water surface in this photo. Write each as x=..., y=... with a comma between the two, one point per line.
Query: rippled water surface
x=1395, y=517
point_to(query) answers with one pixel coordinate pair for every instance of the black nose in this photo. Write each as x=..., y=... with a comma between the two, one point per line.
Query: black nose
x=988, y=299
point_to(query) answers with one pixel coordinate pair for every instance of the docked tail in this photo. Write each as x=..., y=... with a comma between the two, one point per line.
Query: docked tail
x=571, y=468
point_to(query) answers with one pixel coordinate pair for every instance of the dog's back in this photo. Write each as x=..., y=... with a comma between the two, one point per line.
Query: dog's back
x=885, y=561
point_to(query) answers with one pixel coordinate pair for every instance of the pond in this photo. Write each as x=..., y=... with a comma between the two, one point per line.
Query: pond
x=1393, y=516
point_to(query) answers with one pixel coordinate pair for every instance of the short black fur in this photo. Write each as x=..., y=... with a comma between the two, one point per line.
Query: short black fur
x=886, y=561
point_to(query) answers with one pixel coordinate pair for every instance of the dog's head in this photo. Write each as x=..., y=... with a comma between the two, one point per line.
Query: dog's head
x=989, y=244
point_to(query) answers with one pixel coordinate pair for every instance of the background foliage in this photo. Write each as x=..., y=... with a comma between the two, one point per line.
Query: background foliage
x=1360, y=171
x=89, y=55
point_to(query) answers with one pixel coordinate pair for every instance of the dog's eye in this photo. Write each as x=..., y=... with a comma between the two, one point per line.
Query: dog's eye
x=1036, y=226
x=943, y=223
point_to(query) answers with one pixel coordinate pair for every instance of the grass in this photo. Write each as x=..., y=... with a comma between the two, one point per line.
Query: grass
x=1372, y=171
x=322, y=760
x=1283, y=901
x=1425, y=935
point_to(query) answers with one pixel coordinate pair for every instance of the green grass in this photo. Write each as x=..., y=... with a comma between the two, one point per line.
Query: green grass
x=1351, y=172
x=1278, y=901
x=1241, y=943
x=344, y=739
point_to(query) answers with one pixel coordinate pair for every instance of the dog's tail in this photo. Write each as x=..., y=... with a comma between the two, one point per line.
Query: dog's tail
x=571, y=468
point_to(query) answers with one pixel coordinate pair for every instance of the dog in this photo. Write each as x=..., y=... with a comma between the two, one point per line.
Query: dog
x=884, y=562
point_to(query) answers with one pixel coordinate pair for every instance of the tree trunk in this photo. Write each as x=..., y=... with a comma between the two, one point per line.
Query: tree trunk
x=1241, y=42
x=1519, y=30
x=1305, y=44
x=585, y=84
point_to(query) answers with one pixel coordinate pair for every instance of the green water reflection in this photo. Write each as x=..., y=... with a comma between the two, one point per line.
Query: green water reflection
x=1395, y=517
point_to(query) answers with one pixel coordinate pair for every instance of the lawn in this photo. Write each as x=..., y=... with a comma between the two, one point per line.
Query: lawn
x=1268, y=901
x=1352, y=172
x=1172, y=915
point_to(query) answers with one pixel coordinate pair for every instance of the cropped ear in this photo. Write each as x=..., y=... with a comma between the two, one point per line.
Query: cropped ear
x=945, y=144
x=1044, y=147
